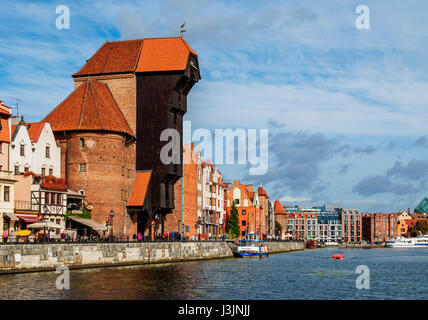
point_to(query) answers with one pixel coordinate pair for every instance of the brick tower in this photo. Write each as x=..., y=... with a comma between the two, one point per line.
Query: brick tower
x=148, y=80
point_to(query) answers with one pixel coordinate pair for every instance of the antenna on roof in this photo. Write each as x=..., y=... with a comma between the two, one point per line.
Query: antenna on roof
x=182, y=29
x=16, y=104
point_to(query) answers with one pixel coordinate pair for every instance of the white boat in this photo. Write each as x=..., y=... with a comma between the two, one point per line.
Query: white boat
x=252, y=247
x=401, y=242
x=331, y=243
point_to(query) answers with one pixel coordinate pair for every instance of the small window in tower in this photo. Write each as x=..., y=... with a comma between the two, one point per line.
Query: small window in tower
x=47, y=152
x=82, y=142
x=22, y=150
x=82, y=167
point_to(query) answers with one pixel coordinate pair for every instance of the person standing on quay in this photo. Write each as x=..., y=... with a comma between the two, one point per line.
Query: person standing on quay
x=5, y=236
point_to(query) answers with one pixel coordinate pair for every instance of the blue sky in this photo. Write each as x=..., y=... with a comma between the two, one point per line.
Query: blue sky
x=346, y=109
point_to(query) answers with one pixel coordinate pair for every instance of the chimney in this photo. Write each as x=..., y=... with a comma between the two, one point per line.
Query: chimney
x=14, y=120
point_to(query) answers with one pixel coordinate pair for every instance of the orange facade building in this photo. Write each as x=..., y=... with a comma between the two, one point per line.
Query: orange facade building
x=379, y=226
x=247, y=203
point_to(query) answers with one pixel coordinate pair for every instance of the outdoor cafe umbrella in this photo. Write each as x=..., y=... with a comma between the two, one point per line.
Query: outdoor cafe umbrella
x=44, y=225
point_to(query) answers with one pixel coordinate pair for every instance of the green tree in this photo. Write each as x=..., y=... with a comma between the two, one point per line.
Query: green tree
x=233, y=228
x=278, y=228
x=421, y=227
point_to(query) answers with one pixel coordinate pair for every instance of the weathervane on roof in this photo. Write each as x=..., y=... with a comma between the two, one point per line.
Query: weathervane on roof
x=182, y=29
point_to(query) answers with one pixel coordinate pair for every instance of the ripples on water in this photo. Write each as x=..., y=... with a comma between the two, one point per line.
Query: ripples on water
x=311, y=274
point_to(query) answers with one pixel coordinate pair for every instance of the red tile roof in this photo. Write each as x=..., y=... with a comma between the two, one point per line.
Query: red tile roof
x=91, y=106
x=4, y=132
x=279, y=209
x=35, y=129
x=164, y=54
x=113, y=57
x=262, y=192
x=139, y=189
x=141, y=55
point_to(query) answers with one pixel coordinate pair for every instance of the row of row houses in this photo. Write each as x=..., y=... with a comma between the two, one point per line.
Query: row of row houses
x=30, y=171
x=208, y=200
x=338, y=224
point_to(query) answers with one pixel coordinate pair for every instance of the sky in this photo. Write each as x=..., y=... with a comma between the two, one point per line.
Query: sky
x=346, y=108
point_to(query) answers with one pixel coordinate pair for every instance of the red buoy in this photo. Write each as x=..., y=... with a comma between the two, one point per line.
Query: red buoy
x=338, y=256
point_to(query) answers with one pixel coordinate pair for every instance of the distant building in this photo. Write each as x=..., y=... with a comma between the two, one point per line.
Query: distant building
x=263, y=199
x=422, y=207
x=379, y=226
x=352, y=225
x=212, y=221
x=250, y=215
x=329, y=226
x=192, y=167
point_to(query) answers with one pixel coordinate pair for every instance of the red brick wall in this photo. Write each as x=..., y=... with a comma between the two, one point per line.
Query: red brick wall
x=104, y=154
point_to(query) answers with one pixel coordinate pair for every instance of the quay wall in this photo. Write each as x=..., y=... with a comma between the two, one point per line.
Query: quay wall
x=16, y=258
x=276, y=247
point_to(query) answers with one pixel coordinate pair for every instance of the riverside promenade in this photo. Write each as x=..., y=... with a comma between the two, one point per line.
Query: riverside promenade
x=16, y=258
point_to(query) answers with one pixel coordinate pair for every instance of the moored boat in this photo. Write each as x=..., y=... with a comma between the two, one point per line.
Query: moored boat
x=420, y=241
x=252, y=247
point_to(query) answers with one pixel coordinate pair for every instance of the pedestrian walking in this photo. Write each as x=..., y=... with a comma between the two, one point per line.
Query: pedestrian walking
x=139, y=236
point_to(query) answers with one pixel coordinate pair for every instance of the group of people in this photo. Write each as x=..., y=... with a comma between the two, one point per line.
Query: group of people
x=166, y=236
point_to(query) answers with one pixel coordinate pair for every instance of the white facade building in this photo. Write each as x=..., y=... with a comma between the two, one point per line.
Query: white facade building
x=213, y=197
x=33, y=148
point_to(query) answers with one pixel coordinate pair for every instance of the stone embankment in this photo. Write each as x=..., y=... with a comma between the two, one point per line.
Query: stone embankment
x=42, y=257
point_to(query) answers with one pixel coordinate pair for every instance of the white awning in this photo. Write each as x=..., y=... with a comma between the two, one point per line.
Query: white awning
x=89, y=223
x=11, y=216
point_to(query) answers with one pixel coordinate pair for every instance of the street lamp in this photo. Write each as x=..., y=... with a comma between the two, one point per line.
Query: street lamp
x=111, y=223
x=45, y=210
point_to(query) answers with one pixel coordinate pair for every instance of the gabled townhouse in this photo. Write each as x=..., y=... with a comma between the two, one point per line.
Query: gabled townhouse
x=33, y=148
x=8, y=220
x=248, y=205
x=40, y=192
x=213, y=201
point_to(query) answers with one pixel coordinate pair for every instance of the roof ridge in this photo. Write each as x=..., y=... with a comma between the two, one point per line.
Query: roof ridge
x=90, y=59
x=120, y=110
x=83, y=103
x=72, y=92
x=96, y=104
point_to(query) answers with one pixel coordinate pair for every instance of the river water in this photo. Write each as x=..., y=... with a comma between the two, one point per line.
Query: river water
x=309, y=274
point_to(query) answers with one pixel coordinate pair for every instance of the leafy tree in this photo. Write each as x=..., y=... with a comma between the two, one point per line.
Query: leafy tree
x=421, y=227
x=278, y=228
x=233, y=228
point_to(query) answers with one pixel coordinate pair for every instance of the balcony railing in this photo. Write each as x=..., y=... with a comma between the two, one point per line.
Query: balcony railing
x=6, y=175
x=23, y=205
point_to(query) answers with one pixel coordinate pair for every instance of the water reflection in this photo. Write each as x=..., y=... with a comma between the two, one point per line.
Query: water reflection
x=298, y=275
